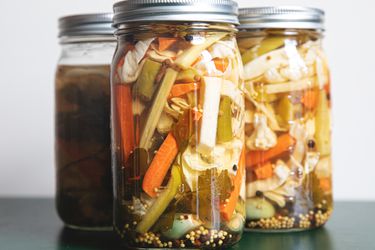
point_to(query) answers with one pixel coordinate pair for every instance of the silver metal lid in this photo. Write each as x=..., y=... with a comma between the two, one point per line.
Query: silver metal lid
x=212, y=11
x=86, y=25
x=282, y=17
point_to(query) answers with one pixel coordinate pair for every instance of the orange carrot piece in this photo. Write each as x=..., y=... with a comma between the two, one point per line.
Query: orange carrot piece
x=160, y=165
x=197, y=115
x=326, y=184
x=227, y=209
x=310, y=99
x=264, y=172
x=125, y=118
x=166, y=42
x=221, y=64
x=183, y=89
x=284, y=143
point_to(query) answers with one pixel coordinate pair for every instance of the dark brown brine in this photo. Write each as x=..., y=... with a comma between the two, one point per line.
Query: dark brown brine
x=83, y=156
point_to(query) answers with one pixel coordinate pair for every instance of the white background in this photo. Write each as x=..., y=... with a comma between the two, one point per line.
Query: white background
x=29, y=51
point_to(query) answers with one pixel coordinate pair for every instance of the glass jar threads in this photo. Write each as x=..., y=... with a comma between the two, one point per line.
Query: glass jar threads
x=177, y=124
x=82, y=124
x=288, y=109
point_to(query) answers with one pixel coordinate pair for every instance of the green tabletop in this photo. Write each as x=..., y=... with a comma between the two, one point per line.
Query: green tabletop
x=32, y=224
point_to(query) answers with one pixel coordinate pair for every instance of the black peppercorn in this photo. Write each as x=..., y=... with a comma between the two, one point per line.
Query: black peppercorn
x=311, y=144
x=189, y=38
x=259, y=194
x=235, y=168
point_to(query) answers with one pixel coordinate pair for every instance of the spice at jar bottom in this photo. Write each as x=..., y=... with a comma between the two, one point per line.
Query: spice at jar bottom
x=288, y=129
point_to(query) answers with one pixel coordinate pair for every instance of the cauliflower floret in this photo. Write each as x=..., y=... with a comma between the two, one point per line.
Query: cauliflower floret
x=131, y=68
x=263, y=137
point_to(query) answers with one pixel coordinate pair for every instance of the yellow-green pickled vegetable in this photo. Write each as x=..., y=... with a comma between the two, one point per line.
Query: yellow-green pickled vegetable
x=265, y=46
x=187, y=58
x=285, y=111
x=188, y=75
x=323, y=125
x=162, y=202
x=259, y=208
x=145, y=86
x=157, y=107
x=224, y=124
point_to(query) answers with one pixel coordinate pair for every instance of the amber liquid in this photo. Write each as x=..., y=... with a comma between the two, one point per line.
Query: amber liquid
x=83, y=157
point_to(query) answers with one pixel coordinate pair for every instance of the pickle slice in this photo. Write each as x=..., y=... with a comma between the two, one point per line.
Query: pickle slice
x=322, y=125
x=224, y=125
x=145, y=86
x=162, y=202
x=285, y=111
x=259, y=208
x=157, y=108
x=265, y=46
x=188, y=75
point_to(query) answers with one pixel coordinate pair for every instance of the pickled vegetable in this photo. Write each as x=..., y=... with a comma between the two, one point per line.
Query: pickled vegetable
x=146, y=84
x=224, y=126
x=265, y=46
x=322, y=125
x=187, y=109
x=161, y=202
x=83, y=150
x=288, y=131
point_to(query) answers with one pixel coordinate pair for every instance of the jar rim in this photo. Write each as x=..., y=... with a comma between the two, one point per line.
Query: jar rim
x=280, y=17
x=211, y=11
x=96, y=24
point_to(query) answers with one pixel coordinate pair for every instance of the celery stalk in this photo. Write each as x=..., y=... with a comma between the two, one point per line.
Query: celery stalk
x=188, y=75
x=188, y=57
x=265, y=46
x=323, y=125
x=162, y=202
x=157, y=107
x=145, y=86
x=224, y=125
x=184, y=61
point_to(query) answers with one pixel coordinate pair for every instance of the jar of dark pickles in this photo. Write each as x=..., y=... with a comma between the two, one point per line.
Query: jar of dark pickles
x=288, y=109
x=82, y=124
x=178, y=125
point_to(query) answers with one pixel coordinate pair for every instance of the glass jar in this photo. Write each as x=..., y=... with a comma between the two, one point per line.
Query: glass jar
x=82, y=122
x=178, y=125
x=288, y=128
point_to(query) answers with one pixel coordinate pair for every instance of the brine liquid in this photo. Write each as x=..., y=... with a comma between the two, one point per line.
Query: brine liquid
x=288, y=131
x=178, y=167
x=83, y=157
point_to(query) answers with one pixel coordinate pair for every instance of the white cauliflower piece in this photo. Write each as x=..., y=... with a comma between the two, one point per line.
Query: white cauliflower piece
x=263, y=137
x=131, y=68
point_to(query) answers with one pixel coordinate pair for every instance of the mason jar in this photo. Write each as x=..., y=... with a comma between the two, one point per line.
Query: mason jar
x=178, y=124
x=288, y=125
x=82, y=122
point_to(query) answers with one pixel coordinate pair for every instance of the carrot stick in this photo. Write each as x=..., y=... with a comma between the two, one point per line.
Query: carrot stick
x=310, y=99
x=166, y=42
x=221, y=64
x=227, y=209
x=183, y=89
x=126, y=119
x=197, y=115
x=160, y=165
x=264, y=172
x=284, y=143
x=326, y=184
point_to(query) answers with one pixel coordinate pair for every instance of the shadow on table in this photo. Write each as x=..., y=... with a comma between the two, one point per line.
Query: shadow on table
x=314, y=239
x=84, y=240
x=309, y=240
